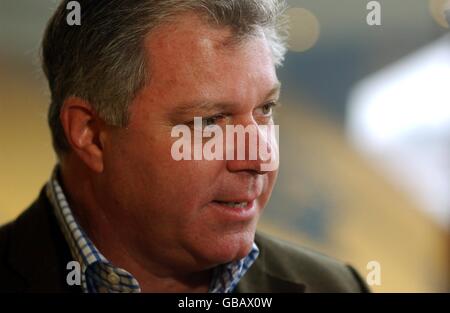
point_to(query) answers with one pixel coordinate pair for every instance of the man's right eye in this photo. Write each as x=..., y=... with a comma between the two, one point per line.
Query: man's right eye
x=212, y=120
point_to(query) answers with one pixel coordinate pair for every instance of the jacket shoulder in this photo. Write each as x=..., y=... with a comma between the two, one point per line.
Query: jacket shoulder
x=299, y=265
x=5, y=234
x=7, y=273
x=33, y=252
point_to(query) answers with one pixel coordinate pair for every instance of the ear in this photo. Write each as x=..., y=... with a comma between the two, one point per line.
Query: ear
x=84, y=131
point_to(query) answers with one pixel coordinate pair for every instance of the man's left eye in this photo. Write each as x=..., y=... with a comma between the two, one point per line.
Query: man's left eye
x=267, y=109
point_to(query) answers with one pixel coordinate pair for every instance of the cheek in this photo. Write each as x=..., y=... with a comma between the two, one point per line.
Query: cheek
x=143, y=156
x=269, y=183
x=195, y=181
x=272, y=178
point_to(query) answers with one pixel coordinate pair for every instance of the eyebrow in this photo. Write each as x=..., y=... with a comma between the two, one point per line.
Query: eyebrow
x=207, y=106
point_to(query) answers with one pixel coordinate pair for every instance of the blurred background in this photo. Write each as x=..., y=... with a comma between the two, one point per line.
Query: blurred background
x=364, y=133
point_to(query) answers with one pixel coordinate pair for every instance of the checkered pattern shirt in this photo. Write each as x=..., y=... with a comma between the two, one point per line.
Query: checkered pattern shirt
x=100, y=275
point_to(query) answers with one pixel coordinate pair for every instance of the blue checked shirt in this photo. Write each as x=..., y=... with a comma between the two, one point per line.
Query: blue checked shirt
x=100, y=275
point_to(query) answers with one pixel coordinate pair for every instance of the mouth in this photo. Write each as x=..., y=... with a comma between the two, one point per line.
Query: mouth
x=237, y=211
x=234, y=204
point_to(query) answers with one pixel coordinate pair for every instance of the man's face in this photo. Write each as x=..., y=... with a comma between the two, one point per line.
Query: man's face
x=170, y=208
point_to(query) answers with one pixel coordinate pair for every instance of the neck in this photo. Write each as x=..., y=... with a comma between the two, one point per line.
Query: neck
x=152, y=276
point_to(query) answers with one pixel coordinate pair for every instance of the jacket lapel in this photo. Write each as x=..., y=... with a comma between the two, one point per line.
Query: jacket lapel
x=262, y=278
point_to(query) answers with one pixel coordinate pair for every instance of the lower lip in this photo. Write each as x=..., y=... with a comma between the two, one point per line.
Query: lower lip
x=238, y=214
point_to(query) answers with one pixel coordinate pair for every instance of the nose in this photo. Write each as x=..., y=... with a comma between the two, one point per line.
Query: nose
x=252, y=148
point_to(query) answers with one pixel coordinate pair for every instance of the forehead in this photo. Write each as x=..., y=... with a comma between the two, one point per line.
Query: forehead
x=189, y=56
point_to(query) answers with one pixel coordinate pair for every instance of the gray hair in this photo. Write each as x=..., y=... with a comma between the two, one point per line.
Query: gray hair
x=103, y=60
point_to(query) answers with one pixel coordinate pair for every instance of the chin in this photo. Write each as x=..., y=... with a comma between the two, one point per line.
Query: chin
x=230, y=247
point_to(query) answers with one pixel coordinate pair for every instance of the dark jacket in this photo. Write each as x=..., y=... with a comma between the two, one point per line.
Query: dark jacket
x=34, y=256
